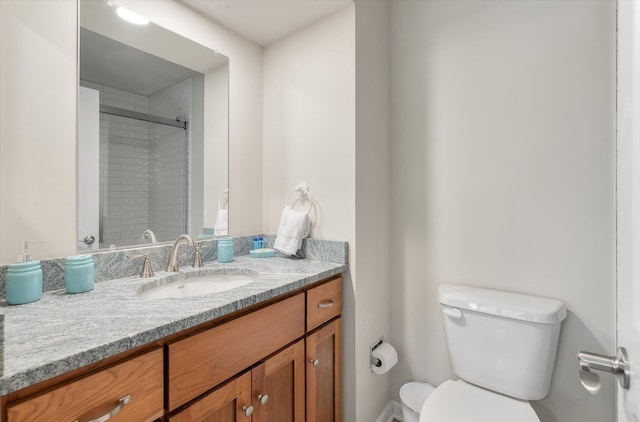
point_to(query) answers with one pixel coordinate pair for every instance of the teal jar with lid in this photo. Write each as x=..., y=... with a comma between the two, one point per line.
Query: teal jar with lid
x=225, y=249
x=79, y=273
x=24, y=282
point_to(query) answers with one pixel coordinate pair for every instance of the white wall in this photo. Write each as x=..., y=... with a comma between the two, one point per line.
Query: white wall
x=38, y=81
x=309, y=135
x=373, y=307
x=217, y=130
x=502, y=171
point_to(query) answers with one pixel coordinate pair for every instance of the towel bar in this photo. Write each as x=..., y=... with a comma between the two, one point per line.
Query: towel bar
x=303, y=191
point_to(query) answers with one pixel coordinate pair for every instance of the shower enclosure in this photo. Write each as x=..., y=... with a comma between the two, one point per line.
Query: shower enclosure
x=143, y=176
x=143, y=162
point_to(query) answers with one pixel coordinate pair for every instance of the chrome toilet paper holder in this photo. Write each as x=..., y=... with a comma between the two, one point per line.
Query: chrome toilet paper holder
x=617, y=365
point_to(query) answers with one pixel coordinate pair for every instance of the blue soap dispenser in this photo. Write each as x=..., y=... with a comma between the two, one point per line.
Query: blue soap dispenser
x=24, y=278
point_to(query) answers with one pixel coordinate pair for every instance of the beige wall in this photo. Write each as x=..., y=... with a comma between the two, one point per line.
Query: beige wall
x=38, y=82
x=502, y=175
x=309, y=136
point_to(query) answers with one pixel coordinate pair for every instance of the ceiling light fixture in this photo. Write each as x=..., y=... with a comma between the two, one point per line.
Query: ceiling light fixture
x=128, y=15
x=131, y=17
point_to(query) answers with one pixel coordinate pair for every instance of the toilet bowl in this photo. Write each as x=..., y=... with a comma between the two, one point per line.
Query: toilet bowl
x=457, y=401
x=502, y=346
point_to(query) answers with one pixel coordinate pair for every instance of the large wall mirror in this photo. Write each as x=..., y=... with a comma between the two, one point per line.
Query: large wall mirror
x=152, y=134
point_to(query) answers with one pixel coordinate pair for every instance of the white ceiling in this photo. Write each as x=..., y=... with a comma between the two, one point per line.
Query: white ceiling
x=266, y=21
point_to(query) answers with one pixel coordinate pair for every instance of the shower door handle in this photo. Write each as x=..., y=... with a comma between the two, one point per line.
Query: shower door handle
x=89, y=240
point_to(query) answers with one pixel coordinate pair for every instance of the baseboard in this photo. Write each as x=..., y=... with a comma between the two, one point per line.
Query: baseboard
x=396, y=410
x=393, y=410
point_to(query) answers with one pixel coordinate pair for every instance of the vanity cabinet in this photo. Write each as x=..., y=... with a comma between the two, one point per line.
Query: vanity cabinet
x=204, y=360
x=225, y=404
x=275, y=363
x=272, y=391
x=129, y=391
x=324, y=373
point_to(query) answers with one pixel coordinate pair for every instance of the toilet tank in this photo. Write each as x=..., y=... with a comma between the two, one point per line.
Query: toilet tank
x=501, y=341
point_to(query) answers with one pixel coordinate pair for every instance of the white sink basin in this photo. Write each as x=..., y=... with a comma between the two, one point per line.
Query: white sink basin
x=197, y=286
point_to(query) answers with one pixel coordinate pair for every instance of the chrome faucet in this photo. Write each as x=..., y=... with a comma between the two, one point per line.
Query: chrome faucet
x=148, y=234
x=172, y=265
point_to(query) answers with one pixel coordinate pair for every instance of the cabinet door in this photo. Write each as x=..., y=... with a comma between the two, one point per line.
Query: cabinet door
x=278, y=386
x=324, y=373
x=229, y=403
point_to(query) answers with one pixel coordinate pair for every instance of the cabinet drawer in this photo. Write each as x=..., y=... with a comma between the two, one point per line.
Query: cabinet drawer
x=204, y=360
x=323, y=303
x=89, y=398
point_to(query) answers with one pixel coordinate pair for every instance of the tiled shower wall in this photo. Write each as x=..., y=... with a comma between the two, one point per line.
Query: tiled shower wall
x=142, y=166
x=168, y=194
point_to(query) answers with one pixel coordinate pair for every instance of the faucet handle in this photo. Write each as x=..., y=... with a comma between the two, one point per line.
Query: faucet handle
x=197, y=256
x=147, y=271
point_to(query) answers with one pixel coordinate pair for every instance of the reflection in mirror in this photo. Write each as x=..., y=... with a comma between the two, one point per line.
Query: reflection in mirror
x=152, y=133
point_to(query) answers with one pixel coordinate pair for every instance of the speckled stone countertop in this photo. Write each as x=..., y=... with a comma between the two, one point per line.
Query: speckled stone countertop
x=63, y=332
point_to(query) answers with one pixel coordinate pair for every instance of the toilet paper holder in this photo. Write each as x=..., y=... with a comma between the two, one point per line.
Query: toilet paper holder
x=373, y=360
x=617, y=365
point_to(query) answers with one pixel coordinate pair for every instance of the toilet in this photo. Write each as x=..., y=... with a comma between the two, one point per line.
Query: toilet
x=502, y=346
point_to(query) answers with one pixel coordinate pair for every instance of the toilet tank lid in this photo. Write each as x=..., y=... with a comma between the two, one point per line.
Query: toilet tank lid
x=505, y=304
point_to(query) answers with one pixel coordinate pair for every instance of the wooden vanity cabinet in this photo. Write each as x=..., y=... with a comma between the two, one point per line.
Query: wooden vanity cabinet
x=324, y=373
x=225, y=404
x=281, y=380
x=200, y=362
x=277, y=363
x=130, y=391
x=273, y=391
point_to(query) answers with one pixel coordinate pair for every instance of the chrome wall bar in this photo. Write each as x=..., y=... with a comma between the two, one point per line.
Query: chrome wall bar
x=115, y=111
x=618, y=365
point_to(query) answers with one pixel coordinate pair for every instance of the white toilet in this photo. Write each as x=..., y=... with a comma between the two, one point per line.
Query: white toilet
x=502, y=346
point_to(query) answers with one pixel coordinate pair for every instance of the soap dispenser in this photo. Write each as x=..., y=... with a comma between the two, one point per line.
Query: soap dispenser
x=24, y=278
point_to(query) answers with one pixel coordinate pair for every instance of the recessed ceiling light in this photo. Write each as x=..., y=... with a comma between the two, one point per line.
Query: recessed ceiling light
x=131, y=17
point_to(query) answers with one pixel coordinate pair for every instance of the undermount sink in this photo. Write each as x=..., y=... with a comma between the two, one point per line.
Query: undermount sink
x=184, y=285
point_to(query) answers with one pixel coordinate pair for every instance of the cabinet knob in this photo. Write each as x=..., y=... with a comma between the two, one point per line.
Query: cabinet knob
x=248, y=410
x=315, y=362
x=263, y=398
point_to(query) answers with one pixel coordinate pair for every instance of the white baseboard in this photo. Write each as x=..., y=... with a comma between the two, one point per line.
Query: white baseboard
x=396, y=410
x=393, y=410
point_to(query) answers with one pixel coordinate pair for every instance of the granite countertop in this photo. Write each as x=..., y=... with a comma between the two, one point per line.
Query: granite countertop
x=63, y=332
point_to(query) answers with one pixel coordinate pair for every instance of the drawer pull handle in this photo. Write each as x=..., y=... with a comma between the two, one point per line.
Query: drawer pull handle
x=326, y=304
x=263, y=398
x=121, y=403
x=248, y=410
x=315, y=362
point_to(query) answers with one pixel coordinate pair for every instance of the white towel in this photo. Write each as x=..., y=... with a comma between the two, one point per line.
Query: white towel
x=294, y=226
x=221, y=228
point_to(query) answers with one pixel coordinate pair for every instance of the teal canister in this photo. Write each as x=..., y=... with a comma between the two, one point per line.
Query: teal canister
x=79, y=273
x=24, y=282
x=225, y=249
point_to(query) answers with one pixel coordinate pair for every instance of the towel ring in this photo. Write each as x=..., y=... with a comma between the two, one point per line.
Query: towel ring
x=220, y=202
x=303, y=191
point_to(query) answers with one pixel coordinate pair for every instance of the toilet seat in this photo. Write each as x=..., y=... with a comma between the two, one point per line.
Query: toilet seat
x=457, y=401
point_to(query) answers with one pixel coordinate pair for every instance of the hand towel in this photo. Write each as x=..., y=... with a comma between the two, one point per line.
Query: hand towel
x=294, y=226
x=221, y=228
